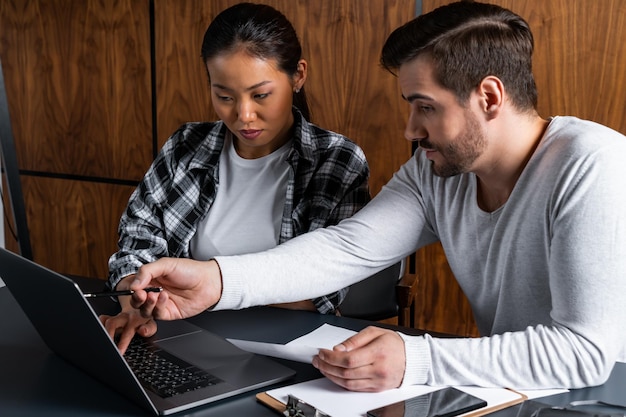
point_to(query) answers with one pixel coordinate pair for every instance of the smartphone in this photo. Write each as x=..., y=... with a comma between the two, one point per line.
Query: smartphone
x=445, y=402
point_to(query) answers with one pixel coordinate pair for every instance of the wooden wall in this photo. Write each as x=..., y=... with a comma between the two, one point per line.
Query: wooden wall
x=96, y=87
x=79, y=90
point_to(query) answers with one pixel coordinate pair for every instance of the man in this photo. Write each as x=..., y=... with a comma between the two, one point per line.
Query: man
x=530, y=213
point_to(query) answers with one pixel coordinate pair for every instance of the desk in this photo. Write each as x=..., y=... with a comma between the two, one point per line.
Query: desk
x=35, y=382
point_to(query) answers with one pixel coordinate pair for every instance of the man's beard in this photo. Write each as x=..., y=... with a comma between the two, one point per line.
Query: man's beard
x=459, y=155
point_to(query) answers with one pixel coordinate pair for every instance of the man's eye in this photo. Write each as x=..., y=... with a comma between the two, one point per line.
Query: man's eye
x=426, y=109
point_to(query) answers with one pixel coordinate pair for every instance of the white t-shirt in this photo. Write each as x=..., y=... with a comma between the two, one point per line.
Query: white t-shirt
x=248, y=207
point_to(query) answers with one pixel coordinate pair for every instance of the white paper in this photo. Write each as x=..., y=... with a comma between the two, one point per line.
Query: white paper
x=538, y=393
x=293, y=353
x=338, y=402
x=301, y=349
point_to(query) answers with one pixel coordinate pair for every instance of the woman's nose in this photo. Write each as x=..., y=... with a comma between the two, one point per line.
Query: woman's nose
x=247, y=112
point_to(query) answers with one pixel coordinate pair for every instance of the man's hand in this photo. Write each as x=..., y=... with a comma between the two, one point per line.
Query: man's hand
x=372, y=360
x=189, y=288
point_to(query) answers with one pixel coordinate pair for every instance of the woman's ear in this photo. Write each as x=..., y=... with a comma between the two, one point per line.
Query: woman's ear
x=299, y=78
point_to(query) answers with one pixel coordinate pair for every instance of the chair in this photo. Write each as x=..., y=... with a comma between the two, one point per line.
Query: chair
x=12, y=173
x=387, y=294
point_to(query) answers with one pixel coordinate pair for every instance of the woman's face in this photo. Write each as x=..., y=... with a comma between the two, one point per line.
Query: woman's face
x=254, y=97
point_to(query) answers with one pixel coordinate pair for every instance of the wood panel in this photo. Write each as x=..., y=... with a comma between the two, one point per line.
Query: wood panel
x=579, y=66
x=347, y=90
x=78, y=83
x=79, y=90
x=75, y=232
x=181, y=79
x=580, y=57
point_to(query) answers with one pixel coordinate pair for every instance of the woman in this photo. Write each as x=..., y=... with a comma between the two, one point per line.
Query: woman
x=258, y=177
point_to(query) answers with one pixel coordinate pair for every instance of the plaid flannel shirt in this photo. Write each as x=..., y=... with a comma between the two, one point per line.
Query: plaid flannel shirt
x=328, y=181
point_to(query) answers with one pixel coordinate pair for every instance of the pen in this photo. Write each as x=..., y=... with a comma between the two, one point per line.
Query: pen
x=118, y=293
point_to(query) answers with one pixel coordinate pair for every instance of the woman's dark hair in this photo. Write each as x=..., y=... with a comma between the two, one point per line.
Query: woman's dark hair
x=263, y=32
x=467, y=42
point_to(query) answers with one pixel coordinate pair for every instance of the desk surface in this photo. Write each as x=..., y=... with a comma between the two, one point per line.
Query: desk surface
x=35, y=382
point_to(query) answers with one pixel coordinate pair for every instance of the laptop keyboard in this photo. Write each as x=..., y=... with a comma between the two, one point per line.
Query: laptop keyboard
x=163, y=373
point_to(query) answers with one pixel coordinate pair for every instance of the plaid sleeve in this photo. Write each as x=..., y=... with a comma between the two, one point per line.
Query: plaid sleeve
x=141, y=230
x=161, y=214
x=344, y=176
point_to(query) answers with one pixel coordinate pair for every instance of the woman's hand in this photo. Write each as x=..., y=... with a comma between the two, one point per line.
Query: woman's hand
x=123, y=326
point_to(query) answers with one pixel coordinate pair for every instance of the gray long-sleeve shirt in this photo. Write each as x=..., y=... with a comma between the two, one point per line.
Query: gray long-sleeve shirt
x=545, y=273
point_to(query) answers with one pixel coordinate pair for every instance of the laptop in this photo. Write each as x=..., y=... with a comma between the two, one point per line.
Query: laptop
x=70, y=327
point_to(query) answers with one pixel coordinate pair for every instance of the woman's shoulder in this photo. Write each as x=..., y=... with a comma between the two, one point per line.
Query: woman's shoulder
x=195, y=136
x=194, y=141
x=324, y=141
x=195, y=132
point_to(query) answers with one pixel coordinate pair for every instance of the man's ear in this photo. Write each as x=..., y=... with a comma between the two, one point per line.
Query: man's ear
x=491, y=96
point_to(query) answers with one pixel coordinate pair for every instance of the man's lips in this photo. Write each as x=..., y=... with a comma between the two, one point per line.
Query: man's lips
x=430, y=153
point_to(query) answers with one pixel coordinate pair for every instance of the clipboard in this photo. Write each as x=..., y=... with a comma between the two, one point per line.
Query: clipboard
x=271, y=402
x=323, y=396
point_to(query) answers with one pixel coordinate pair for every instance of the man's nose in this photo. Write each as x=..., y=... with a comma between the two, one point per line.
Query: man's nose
x=414, y=130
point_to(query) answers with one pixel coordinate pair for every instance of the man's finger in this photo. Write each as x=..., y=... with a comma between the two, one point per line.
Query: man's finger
x=148, y=272
x=159, y=310
x=362, y=338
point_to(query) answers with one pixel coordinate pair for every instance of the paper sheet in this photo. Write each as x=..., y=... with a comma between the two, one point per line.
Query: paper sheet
x=301, y=349
x=338, y=402
x=538, y=393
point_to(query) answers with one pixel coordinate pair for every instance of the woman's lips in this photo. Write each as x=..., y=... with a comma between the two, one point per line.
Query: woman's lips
x=250, y=134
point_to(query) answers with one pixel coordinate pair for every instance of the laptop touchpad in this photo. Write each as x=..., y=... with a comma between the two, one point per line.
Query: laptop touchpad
x=204, y=350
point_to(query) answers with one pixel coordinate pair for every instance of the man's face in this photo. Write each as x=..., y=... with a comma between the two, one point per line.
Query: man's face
x=450, y=134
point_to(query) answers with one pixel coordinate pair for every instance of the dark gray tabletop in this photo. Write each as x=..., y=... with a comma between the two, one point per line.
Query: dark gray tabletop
x=35, y=382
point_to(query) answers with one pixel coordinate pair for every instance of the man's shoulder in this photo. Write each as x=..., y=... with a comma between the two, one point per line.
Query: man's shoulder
x=576, y=129
x=571, y=138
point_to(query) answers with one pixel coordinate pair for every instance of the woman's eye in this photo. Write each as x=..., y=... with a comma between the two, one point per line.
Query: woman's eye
x=261, y=96
x=224, y=98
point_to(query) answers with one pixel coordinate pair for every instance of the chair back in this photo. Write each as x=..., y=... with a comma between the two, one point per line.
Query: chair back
x=11, y=171
x=374, y=298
